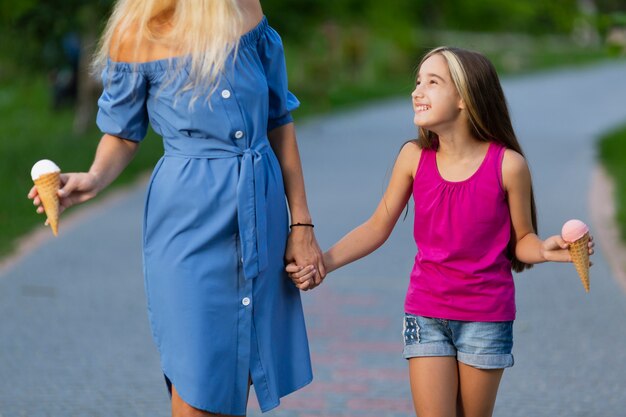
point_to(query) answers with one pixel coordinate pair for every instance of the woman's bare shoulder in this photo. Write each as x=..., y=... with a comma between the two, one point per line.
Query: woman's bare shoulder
x=252, y=14
x=130, y=45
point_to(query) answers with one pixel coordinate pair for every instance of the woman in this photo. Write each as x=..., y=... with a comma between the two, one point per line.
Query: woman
x=209, y=76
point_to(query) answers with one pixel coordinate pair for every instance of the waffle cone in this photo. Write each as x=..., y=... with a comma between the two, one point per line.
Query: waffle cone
x=579, y=250
x=47, y=187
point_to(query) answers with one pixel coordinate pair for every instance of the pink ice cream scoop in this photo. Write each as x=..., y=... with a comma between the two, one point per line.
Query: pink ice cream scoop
x=573, y=230
x=576, y=233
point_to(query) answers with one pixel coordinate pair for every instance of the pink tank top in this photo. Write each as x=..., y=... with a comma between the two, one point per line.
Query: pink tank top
x=462, y=230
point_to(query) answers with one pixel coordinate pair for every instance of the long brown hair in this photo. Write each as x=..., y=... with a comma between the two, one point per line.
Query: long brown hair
x=477, y=83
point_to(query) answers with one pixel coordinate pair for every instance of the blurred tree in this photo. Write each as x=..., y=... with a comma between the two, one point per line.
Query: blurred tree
x=531, y=16
x=296, y=19
x=610, y=21
x=611, y=6
x=337, y=30
x=535, y=16
x=43, y=29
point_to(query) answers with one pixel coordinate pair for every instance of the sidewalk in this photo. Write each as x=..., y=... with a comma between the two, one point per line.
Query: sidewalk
x=75, y=336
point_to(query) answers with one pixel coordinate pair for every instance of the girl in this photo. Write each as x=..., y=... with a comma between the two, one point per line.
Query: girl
x=475, y=221
x=209, y=75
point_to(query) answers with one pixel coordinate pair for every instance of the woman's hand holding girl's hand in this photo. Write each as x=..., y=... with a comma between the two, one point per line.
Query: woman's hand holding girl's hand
x=75, y=188
x=302, y=276
x=554, y=249
x=302, y=249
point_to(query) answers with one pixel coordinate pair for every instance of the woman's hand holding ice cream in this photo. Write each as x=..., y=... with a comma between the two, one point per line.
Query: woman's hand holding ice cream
x=112, y=156
x=53, y=192
x=76, y=187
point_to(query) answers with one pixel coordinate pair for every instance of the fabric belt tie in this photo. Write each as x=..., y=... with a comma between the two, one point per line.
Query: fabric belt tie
x=252, y=213
x=251, y=202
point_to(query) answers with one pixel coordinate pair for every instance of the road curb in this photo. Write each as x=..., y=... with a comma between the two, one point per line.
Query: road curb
x=606, y=232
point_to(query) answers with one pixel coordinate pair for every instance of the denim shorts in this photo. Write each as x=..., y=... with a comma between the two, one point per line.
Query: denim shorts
x=482, y=345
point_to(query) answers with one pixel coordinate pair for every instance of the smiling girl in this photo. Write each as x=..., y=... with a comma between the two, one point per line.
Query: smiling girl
x=475, y=222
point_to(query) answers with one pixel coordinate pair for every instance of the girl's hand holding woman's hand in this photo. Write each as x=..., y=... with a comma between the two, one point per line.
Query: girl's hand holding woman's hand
x=75, y=188
x=303, y=277
x=554, y=249
x=302, y=249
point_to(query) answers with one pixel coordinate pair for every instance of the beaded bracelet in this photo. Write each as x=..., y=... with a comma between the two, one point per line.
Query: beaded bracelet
x=301, y=224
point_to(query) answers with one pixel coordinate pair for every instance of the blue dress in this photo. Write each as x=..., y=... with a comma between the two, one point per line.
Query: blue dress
x=221, y=308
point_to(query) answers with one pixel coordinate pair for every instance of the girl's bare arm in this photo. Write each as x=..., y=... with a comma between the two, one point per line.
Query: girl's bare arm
x=370, y=235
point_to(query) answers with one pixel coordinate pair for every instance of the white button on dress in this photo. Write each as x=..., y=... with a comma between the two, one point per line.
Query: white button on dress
x=245, y=301
x=239, y=134
x=225, y=93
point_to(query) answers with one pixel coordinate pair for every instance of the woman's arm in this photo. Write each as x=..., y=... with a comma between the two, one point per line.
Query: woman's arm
x=529, y=248
x=302, y=247
x=112, y=156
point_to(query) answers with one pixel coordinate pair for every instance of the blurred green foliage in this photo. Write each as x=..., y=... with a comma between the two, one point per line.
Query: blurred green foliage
x=36, y=28
x=39, y=24
x=610, y=6
x=612, y=153
x=530, y=16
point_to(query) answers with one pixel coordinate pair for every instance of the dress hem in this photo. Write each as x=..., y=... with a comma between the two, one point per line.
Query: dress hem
x=170, y=383
x=277, y=403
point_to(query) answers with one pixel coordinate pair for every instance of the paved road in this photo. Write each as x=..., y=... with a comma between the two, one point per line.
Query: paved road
x=74, y=337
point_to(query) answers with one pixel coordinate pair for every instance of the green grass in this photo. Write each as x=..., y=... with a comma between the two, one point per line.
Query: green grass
x=327, y=72
x=612, y=152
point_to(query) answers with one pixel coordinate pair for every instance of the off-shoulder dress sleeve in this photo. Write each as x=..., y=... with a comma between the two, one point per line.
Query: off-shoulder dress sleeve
x=122, y=106
x=281, y=101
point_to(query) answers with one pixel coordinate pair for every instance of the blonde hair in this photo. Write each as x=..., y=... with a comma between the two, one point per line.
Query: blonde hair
x=204, y=31
x=478, y=84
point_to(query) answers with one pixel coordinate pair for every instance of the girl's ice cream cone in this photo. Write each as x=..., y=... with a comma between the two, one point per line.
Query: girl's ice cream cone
x=576, y=233
x=47, y=178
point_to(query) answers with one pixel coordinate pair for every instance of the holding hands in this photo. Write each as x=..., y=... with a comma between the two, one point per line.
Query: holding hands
x=302, y=249
x=304, y=277
x=575, y=244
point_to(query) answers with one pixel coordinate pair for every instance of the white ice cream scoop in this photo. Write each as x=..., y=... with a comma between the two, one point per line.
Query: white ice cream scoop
x=47, y=178
x=43, y=167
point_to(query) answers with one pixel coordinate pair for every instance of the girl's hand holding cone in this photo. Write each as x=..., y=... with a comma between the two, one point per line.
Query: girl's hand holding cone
x=556, y=249
x=580, y=247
